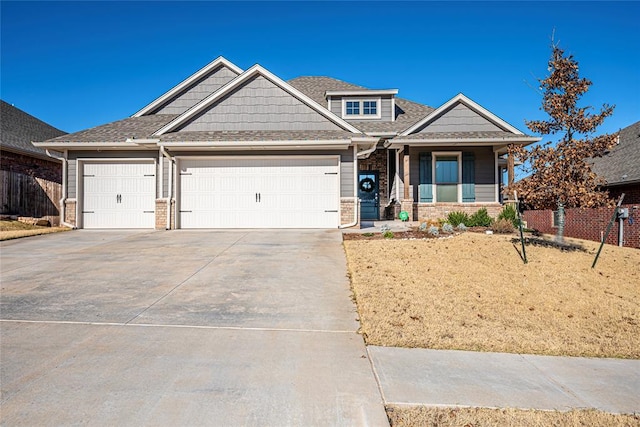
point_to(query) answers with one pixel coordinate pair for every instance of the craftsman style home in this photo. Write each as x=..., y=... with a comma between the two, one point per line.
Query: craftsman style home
x=233, y=148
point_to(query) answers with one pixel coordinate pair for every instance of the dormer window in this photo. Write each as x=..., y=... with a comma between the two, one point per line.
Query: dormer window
x=361, y=108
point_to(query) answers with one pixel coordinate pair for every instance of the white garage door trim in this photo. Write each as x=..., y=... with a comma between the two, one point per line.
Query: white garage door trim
x=269, y=192
x=134, y=198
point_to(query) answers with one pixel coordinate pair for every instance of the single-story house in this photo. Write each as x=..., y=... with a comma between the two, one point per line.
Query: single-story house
x=620, y=167
x=29, y=176
x=233, y=148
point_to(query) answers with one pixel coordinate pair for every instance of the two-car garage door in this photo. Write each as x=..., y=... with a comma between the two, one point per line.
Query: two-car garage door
x=259, y=192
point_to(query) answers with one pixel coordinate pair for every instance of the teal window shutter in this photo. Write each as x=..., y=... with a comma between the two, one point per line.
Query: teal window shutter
x=468, y=178
x=425, y=188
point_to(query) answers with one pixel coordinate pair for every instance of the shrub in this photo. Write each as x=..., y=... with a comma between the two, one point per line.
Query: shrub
x=423, y=226
x=502, y=226
x=480, y=219
x=447, y=228
x=509, y=213
x=384, y=228
x=388, y=234
x=433, y=230
x=457, y=218
x=461, y=227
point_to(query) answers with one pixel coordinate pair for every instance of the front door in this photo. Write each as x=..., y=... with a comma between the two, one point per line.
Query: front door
x=368, y=194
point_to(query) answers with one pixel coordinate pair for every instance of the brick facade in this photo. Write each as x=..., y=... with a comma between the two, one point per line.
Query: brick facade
x=588, y=224
x=161, y=214
x=346, y=211
x=70, y=212
x=33, y=166
x=427, y=211
x=631, y=193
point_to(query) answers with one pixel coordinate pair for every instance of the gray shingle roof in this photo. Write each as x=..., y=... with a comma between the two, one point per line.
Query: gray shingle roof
x=20, y=129
x=132, y=127
x=622, y=164
x=407, y=112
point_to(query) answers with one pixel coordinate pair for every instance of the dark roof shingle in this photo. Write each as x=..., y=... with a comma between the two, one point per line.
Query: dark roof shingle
x=20, y=129
x=622, y=164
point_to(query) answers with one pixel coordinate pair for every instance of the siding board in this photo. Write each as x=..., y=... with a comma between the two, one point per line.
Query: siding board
x=460, y=119
x=259, y=105
x=198, y=91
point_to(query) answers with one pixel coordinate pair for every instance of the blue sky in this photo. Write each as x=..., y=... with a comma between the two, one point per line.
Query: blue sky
x=77, y=65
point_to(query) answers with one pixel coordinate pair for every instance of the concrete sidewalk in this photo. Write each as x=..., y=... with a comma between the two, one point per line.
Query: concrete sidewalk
x=500, y=380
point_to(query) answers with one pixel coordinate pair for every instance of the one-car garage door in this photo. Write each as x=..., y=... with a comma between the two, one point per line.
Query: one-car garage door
x=259, y=193
x=118, y=195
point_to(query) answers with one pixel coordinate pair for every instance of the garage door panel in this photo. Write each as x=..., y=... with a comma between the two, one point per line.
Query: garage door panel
x=259, y=193
x=119, y=195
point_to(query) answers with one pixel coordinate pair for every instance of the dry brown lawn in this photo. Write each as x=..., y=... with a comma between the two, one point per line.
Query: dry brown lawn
x=473, y=292
x=402, y=416
x=16, y=229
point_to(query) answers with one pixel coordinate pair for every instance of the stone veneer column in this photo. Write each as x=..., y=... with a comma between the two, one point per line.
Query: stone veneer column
x=407, y=205
x=70, y=212
x=161, y=214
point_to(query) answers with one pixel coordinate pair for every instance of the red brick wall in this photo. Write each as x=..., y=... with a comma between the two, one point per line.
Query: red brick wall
x=631, y=193
x=588, y=224
x=32, y=166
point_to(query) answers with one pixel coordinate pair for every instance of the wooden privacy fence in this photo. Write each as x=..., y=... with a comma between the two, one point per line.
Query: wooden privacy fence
x=25, y=195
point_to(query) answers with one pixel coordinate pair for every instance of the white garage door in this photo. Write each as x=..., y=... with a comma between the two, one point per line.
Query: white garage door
x=118, y=195
x=259, y=193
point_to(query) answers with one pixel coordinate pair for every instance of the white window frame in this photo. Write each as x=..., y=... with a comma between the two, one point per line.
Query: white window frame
x=362, y=116
x=434, y=157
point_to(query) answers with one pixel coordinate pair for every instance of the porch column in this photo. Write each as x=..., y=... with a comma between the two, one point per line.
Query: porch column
x=407, y=165
x=510, y=169
x=407, y=202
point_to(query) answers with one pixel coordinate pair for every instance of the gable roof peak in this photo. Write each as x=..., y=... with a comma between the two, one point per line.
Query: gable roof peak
x=220, y=61
x=461, y=98
x=255, y=70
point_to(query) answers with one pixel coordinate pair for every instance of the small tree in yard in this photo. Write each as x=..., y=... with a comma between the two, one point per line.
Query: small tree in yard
x=560, y=174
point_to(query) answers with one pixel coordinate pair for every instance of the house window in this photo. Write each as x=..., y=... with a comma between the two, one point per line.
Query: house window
x=361, y=108
x=352, y=108
x=447, y=178
x=369, y=108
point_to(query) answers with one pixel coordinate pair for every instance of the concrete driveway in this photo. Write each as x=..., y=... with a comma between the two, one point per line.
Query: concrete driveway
x=182, y=328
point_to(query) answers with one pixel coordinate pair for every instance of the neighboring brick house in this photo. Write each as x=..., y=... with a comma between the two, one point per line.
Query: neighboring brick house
x=22, y=163
x=233, y=148
x=621, y=166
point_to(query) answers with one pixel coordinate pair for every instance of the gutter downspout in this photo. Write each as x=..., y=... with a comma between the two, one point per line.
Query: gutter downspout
x=356, y=215
x=63, y=200
x=170, y=189
x=364, y=154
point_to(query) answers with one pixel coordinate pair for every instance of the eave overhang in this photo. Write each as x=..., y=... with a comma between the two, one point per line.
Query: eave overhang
x=363, y=92
x=426, y=142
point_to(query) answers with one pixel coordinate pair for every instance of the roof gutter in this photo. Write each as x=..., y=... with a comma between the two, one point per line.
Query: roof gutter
x=356, y=216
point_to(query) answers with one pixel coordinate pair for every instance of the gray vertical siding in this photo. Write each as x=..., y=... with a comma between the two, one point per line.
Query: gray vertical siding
x=260, y=105
x=484, y=170
x=346, y=173
x=198, y=91
x=460, y=118
x=71, y=178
